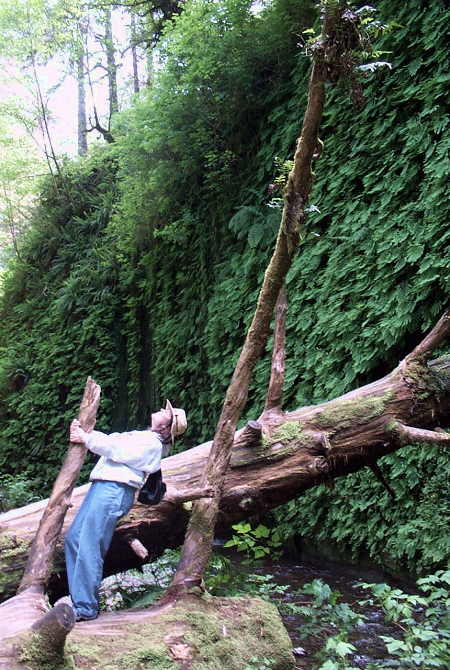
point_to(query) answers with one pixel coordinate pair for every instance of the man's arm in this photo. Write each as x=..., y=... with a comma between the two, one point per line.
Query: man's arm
x=134, y=450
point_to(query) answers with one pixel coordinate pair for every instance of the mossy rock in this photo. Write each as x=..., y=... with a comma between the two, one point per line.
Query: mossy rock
x=198, y=634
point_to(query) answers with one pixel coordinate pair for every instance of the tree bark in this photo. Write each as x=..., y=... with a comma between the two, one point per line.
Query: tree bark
x=40, y=556
x=111, y=64
x=134, y=57
x=24, y=612
x=298, y=450
x=81, y=70
x=274, y=397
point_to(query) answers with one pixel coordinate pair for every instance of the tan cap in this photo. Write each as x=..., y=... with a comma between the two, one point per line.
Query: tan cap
x=179, y=421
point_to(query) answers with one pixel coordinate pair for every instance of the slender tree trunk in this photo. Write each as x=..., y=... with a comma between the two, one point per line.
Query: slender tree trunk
x=81, y=76
x=274, y=396
x=111, y=64
x=150, y=67
x=95, y=123
x=134, y=57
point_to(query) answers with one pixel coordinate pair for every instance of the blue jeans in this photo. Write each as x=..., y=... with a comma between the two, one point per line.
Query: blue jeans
x=88, y=540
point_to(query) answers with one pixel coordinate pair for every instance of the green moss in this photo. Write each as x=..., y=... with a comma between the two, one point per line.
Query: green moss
x=283, y=441
x=219, y=632
x=291, y=430
x=38, y=654
x=391, y=426
x=133, y=646
x=11, y=546
x=13, y=552
x=149, y=657
x=230, y=642
x=345, y=413
x=423, y=380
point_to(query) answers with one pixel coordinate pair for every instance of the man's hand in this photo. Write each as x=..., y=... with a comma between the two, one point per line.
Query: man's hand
x=77, y=434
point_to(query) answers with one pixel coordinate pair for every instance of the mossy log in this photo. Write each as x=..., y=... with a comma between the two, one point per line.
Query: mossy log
x=199, y=633
x=297, y=451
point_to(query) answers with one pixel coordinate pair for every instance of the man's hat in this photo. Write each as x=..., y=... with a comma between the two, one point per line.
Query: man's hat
x=179, y=421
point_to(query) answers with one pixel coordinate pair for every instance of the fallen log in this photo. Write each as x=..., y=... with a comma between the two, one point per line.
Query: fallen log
x=296, y=451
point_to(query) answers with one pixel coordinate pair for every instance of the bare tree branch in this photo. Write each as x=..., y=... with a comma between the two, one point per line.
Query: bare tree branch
x=435, y=337
x=275, y=390
x=411, y=435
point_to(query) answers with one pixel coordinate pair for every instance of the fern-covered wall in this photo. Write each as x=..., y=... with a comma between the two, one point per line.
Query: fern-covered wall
x=144, y=262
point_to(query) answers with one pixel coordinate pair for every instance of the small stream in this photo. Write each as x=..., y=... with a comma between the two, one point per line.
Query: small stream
x=293, y=574
x=341, y=578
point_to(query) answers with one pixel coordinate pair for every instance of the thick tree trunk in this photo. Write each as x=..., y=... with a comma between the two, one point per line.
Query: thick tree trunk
x=298, y=450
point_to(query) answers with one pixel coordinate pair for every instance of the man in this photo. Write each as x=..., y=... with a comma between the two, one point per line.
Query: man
x=126, y=460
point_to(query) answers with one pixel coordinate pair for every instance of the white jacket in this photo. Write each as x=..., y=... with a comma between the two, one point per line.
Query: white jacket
x=125, y=457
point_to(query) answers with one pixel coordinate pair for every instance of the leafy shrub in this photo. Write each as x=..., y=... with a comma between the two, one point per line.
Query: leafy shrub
x=423, y=619
x=256, y=542
x=423, y=623
x=16, y=491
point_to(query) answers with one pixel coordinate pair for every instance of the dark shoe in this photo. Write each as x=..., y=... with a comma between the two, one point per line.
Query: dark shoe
x=84, y=617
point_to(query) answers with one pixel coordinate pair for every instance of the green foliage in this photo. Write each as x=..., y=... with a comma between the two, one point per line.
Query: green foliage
x=141, y=589
x=256, y=542
x=71, y=305
x=143, y=263
x=359, y=517
x=324, y=614
x=257, y=663
x=423, y=622
x=20, y=168
x=15, y=491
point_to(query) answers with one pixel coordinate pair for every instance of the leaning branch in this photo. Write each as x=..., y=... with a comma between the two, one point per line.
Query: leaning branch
x=40, y=558
x=434, y=339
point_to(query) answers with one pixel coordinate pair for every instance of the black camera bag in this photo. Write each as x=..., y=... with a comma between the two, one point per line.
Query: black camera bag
x=153, y=490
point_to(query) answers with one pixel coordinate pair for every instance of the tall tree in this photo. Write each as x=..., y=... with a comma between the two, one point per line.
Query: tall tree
x=81, y=83
x=111, y=67
x=134, y=57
